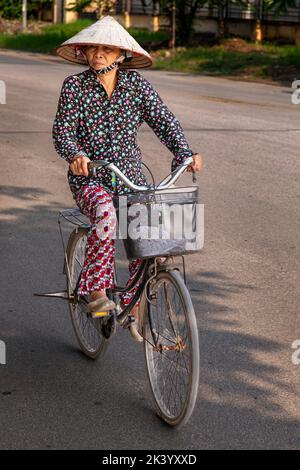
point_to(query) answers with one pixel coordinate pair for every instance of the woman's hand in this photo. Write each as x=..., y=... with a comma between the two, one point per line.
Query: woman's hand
x=197, y=163
x=79, y=165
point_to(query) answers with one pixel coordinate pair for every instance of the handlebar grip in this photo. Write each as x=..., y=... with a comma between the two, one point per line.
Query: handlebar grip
x=93, y=165
x=91, y=169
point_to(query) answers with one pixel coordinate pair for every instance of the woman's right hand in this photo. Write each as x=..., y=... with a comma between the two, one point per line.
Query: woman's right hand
x=79, y=165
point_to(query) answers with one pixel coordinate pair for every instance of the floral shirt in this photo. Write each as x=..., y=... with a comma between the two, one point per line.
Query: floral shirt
x=90, y=123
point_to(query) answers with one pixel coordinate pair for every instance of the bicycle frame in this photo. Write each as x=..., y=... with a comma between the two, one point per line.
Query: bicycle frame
x=76, y=214
x=151, y=282
x=141, y=277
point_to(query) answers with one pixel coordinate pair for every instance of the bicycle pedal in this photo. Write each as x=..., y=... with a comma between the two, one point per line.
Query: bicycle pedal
x=100, y=314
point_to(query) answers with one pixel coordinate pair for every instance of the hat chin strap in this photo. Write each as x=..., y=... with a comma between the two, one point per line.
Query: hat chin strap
x=110, y=67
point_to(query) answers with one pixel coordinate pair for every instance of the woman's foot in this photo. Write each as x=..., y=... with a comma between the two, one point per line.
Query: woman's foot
x=100, y=305
x=134, y=324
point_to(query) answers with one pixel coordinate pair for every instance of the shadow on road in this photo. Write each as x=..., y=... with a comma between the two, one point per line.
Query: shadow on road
x=54, y=397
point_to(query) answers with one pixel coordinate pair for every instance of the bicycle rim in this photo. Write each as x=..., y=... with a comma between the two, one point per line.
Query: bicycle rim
x=87, y=329
x=171, y=348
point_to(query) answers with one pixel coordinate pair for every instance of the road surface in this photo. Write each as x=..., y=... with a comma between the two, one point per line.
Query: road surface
x=244, y=283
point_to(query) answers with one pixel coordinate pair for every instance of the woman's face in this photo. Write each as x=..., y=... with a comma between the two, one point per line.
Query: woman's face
x=101, y=56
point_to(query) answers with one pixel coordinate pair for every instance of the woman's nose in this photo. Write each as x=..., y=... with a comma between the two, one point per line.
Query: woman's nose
x=99, y=51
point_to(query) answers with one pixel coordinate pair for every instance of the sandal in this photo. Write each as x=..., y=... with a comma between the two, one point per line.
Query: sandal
x=101, y=307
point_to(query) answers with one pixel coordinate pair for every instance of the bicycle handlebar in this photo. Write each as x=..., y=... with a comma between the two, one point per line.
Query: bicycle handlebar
x=164, y=184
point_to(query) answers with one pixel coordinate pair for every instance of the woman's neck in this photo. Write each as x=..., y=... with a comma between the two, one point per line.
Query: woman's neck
x=109, y=79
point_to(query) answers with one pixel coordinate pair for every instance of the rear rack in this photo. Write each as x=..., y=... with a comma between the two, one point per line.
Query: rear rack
x=75, y=217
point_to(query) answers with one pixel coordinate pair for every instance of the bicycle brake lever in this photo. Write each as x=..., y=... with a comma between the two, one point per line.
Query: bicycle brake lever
x=194, y=177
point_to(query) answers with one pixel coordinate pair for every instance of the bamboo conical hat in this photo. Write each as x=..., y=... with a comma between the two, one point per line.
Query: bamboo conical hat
x=107, y=31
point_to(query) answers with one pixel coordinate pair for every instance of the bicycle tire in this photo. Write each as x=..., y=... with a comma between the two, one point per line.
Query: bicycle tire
x=180, y=417
x=79, y=314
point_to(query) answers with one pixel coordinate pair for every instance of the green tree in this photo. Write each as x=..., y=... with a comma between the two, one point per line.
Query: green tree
x=222, y=6
x=79, y=5
x=103, y=7
x=275, y=6
x=36, y=8
x=186, y=12
x=10, y=9
x=185, y=16
x=280, y=6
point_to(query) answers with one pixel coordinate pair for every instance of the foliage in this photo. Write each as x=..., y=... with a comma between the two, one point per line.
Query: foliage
x=12, y=9
x=78, y=5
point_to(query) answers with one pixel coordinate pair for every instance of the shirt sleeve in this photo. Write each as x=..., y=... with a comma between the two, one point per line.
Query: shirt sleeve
x=165, y=125
x=66, y=122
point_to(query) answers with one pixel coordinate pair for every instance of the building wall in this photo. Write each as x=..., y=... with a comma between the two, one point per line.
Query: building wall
x=62, y=16
x=242, y=27
x=246, y=29
x=139, y=21
x=290, y=32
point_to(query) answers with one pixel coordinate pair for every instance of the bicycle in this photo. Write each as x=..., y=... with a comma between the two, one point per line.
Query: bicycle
x=167, y=319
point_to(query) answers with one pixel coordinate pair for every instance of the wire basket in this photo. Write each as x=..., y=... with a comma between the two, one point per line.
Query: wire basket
x=159, y=223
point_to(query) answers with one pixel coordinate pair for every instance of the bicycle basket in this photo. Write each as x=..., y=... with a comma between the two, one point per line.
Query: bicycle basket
x=158, y=223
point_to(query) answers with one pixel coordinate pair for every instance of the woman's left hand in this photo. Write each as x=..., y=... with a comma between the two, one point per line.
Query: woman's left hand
x=197, y=163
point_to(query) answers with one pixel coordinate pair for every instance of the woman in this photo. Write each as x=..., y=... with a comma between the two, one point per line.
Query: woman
x=98, y=115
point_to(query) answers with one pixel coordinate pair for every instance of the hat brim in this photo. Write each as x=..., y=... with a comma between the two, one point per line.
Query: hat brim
x=138, y=61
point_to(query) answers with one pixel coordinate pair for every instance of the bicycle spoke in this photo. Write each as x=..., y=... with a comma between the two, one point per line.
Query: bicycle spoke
x=169, y=309
x=170, y=362
x=88, y=329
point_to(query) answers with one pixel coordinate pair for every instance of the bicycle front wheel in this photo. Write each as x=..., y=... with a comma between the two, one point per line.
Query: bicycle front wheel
x=171, y=347
x=88, y=330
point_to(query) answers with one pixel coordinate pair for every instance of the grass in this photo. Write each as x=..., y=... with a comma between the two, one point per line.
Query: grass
x=53, y=35
x=266, y=61
x=217, y=61
x=234, y=57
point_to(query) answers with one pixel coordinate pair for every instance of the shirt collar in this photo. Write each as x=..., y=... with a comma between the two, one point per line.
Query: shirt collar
x=90, y=78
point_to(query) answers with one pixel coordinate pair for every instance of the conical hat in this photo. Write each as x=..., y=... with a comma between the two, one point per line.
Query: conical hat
x=109, y=32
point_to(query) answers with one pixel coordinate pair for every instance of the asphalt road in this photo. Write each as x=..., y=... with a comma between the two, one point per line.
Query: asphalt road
x=244, y=283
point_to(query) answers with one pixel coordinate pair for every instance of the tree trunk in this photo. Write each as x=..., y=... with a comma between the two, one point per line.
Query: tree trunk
x=184, y=22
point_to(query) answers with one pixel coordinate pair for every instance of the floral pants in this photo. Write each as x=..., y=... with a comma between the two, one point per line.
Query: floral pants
x=98, y=269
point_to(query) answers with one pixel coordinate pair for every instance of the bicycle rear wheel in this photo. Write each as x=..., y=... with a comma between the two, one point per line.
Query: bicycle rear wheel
x=171, y=348
x=88, y=330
